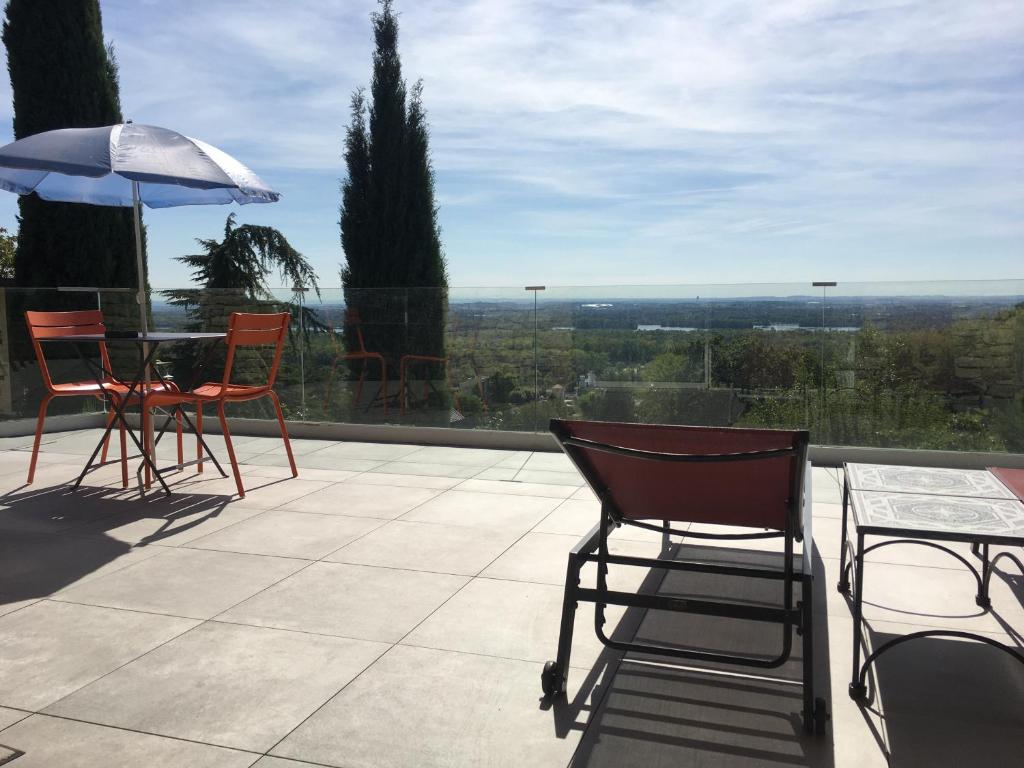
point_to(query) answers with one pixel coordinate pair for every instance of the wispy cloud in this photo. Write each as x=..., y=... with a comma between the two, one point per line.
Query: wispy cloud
x=643, y=141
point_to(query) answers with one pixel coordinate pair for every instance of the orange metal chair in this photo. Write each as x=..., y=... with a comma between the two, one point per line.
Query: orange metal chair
x=244, y=330
x=353, y=320
x=403, y=381
x=48, y=325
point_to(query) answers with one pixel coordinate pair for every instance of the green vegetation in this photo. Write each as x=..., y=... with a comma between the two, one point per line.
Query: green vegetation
x=389, y=229
x=62, y=76
x=234, y=270
x=8, y=253
x=232, y=274
x=913, y=375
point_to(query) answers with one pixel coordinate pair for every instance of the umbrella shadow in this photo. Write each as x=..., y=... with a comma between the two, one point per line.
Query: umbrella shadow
x=55, y=537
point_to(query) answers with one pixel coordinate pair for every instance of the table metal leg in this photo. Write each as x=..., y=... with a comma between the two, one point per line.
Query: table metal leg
x=180, y=412
x=857, y=688
x=844, y=581
x=122, y=403
x=982, y=598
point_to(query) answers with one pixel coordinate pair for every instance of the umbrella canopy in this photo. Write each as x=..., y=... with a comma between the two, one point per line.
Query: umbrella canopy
x=99, y=166
x=128, y=165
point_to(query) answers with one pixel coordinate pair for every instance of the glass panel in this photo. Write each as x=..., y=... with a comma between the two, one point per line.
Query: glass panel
x=909, y=365
x=929, y=365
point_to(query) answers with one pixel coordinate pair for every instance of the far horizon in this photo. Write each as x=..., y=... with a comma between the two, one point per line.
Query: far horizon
x=615, y=144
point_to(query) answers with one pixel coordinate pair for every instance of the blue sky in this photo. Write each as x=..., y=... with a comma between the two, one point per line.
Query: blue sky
x=616, y=142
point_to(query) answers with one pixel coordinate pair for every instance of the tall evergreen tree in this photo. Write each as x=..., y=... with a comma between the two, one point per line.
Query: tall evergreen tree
x=62, y=76
x=394, y=272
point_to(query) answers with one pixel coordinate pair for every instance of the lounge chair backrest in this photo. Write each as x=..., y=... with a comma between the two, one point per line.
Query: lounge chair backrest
x=716, y=475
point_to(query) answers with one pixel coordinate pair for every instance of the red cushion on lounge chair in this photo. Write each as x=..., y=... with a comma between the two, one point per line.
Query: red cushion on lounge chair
x=752, y=493
x=1011, y=478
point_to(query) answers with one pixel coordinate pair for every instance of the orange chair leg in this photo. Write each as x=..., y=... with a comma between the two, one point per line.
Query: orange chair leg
x=124, y=455
x=199, y=438
x=106, y=441
x=284, y=432
x=39, y=436
x=147, y=444
x=181, y=450
x=231, y=450
x=359, y=385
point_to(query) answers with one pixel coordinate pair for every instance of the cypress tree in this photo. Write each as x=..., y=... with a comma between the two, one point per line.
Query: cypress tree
x=394, y=272
x=62, y=76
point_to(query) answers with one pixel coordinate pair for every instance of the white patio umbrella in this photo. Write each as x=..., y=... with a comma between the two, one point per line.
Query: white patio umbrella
x=128, y=165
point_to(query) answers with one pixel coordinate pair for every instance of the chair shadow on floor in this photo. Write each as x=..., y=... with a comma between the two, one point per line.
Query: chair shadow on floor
x=947, y=702
x=54, y=536
x=650, y=711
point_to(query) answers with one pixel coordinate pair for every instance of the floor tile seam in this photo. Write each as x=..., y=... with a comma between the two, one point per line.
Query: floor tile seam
x=402, y=516
x=308, y=564
x=481, y=467
x=479, y=654
x=329, y=699
x=526, y=460
x=446, y=525
x=141, y=732
x=27, y=713
x=293, y=630
x=286, y=508
x=125, y=664
x=390, y=568
x=286, y=479
x=354, y=480
x=502, y=493
x=186, y=546
x=464, y=586
x=60, y=599
x=362, y=536
x=32, y=601
x=469, y=581
x=436, y=492
x=357, y=458
x=504, y=580
x=138, y=545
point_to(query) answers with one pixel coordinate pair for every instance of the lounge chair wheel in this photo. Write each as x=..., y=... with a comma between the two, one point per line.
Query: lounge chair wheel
x=858, y=691
x=983, y=601
x=551, y=679
x=821, y=716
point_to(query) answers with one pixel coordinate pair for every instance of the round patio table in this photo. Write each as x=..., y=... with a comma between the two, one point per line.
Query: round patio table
x=147, y=344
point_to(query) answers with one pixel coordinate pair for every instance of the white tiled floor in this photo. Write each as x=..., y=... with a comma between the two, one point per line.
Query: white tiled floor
x=393, y=607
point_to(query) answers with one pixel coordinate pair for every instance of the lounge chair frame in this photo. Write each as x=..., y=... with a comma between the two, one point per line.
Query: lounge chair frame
x=593, y=547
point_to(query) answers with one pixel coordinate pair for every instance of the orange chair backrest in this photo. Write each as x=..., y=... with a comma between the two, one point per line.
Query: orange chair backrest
x=255, y=330
x=352, y=319
x=49, y=325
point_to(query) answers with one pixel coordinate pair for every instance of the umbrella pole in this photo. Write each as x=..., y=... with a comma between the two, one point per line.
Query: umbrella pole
x=140, y=297
x=139, y=266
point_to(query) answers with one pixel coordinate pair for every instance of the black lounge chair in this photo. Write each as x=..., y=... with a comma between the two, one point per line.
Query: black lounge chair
x=751, y=478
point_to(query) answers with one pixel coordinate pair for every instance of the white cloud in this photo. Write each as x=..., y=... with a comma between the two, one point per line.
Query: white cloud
x=753, y=129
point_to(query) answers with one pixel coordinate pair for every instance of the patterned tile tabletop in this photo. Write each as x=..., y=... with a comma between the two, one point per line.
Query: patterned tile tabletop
x=939, y=514
x=976, y=483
